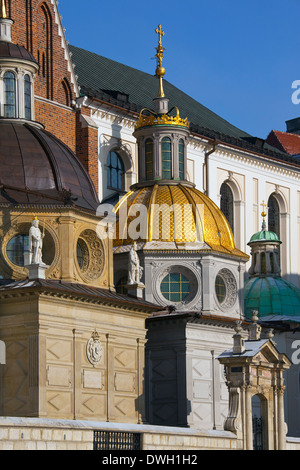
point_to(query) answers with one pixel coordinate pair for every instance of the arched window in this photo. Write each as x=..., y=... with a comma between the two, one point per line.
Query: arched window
x=181, y=159
x=272, y=262
x=64, y=94
x=166, y=155
x=149, y=159
x=273, y=216
x=115, y=171
x=10, y=108
x=227, y=204
x=27, y=97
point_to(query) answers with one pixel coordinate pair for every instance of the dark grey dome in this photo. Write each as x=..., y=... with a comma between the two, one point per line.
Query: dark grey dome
x=36, y=169
x=14, y=51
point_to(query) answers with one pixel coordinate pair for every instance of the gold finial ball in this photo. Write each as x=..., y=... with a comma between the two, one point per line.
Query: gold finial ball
x=160, y=71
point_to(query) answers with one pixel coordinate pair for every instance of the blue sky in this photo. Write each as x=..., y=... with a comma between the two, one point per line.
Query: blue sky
x=237, y=57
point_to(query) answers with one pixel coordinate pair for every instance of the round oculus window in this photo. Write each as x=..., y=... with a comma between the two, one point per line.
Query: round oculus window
x=175, y=287
x=16, y=247
x=19, y=244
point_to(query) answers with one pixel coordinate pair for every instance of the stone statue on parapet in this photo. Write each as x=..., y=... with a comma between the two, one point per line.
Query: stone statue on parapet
x=35, y=243
x=135, y=271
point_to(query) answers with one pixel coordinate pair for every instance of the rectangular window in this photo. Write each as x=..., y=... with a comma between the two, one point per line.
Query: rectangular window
x=9, y=95
x=166, y=154
x=27, y=97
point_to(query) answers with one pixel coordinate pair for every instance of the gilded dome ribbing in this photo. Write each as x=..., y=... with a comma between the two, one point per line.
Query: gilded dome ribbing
x=195, y=218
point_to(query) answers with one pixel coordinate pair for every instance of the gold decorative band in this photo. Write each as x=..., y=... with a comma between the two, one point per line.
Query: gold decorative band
x=164, y=119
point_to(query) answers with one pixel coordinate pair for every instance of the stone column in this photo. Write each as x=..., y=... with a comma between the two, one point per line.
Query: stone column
x=2, y=353
x=268, y=262
x=66, y=235
x=38, y=358
x=77, y=335
x=280, y=419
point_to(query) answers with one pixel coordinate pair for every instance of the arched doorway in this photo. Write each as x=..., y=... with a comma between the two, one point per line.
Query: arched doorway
x=259, y=422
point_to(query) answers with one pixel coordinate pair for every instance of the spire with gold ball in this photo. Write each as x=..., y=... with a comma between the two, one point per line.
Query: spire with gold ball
x=162, y=115
x=3, y=9
x=5, y=24
x=160, y=70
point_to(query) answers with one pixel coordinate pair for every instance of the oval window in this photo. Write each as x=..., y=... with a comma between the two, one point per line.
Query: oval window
x=220, y=287
x=175, y=287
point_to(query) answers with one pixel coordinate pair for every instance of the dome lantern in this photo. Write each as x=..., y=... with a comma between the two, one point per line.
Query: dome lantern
x=185, y=244
x=18, y=68
x=265, y=251
x=161, y=135
x=274, y=298
x=5, y=24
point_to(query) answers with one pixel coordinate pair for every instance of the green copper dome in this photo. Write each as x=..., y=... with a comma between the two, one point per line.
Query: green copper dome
x=264, y=235
x=271, y=296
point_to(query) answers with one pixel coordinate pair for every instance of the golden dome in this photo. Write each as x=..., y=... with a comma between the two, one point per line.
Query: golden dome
x=177, y=214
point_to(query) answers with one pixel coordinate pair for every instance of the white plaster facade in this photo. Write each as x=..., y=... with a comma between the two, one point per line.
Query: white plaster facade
x=251, y=177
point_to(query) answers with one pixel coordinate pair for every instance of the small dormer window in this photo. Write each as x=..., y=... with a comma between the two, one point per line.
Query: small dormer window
x=10, y=110
x=27, y=97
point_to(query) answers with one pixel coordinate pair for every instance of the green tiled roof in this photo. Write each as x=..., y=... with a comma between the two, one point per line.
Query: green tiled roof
x=271, y=296
x=264, y=235
x=101, y=74
x=132, y=89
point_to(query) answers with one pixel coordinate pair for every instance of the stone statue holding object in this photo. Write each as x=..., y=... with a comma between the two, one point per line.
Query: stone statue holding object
x=135, y=271
x=35, y=243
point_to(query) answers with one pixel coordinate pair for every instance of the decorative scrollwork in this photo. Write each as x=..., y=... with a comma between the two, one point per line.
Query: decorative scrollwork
x=92, y=263
x=94, y=350
x=231, y=288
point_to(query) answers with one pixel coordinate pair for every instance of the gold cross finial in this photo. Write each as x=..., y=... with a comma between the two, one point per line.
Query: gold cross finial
x=264, y=205
x=3, y=9
x=160, y=71
x=160, y=49
x=160, y=33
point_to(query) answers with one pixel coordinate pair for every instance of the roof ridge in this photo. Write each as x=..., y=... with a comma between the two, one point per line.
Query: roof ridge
x=287, y=133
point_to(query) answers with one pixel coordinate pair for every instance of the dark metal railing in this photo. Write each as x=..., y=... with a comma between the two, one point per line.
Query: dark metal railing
x=257, y=433
x=116, y=440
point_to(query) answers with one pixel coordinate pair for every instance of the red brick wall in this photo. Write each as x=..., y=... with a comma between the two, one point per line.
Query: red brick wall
x=87, y=147
x=58, y=121
x=35, y=28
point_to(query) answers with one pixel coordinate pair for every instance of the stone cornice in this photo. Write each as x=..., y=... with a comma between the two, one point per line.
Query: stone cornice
x=114, y=114
x=194, y=318
x=252, y=159
x=22, y=291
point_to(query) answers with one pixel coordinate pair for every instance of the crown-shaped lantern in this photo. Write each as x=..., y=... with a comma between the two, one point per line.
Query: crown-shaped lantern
x=161, y=116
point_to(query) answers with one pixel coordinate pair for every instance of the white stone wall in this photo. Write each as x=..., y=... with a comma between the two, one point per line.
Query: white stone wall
x=42, y=434
x=252, y=178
